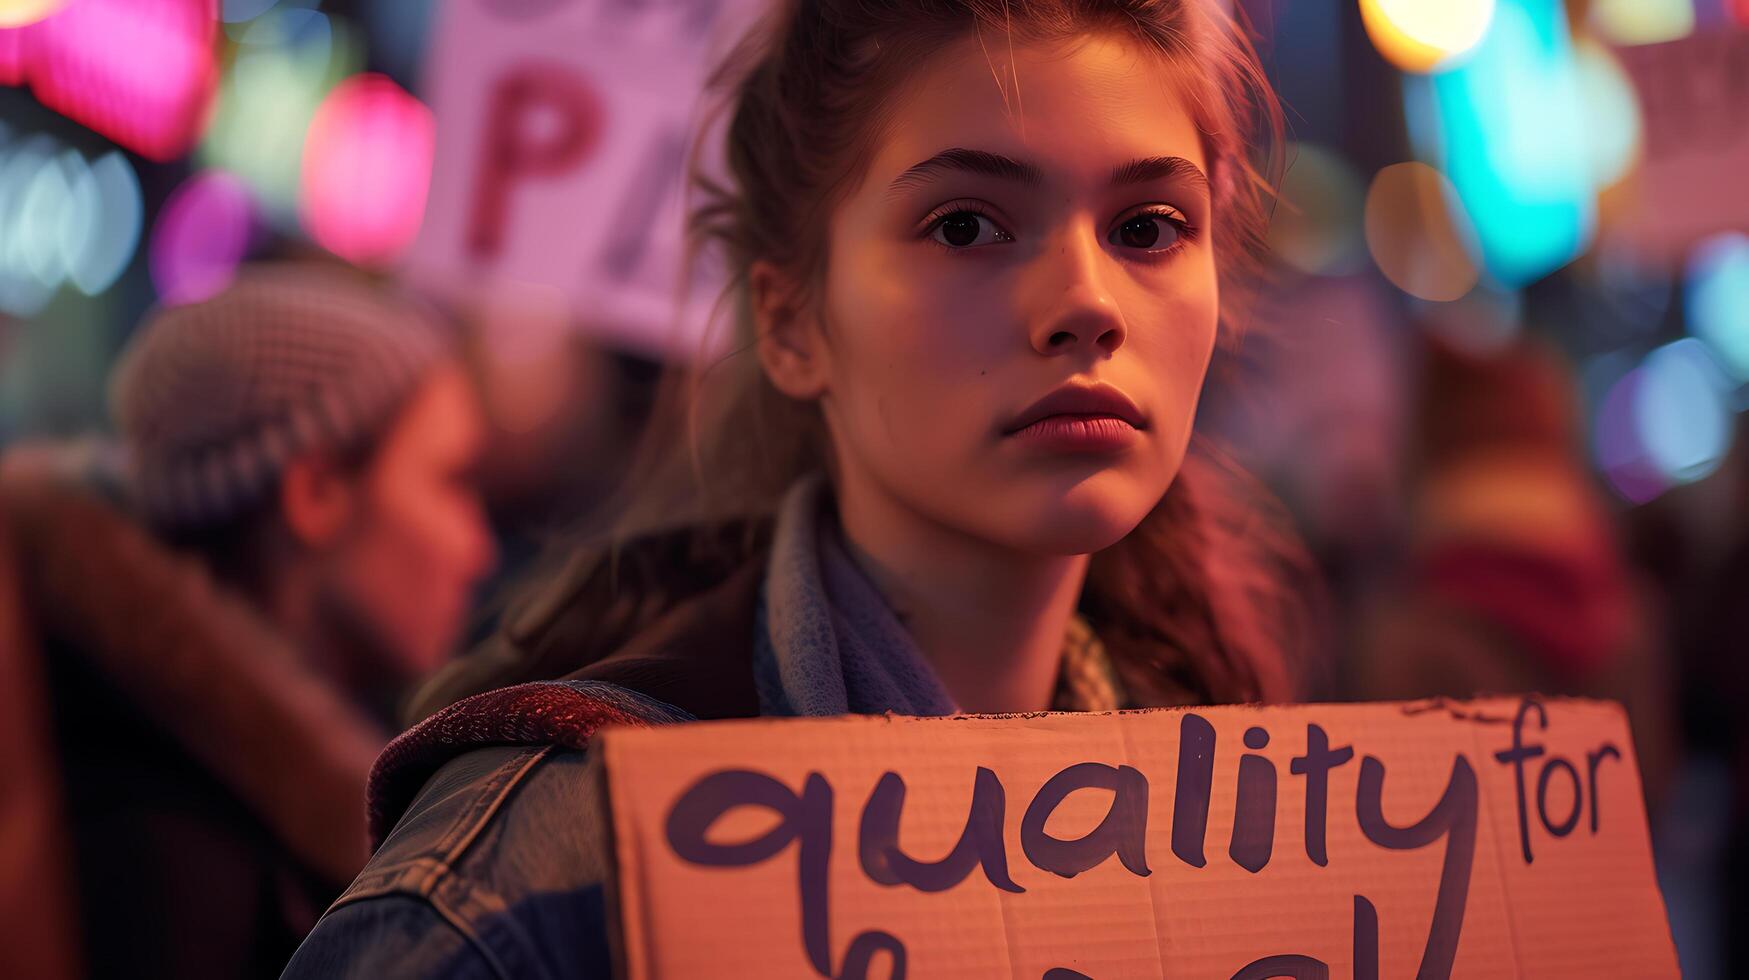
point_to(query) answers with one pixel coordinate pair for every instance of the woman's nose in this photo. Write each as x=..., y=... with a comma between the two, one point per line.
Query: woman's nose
x=1080, y=313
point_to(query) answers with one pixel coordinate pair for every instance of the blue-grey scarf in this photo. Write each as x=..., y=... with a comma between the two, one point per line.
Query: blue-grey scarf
x=826, y=642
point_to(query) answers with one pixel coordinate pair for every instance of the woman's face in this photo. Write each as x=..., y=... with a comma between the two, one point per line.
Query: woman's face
x=1020, y=297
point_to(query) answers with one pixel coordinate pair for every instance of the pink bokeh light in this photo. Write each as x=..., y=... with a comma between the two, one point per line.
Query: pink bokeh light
x=140, y=72
x=202, y=234
x=367, y=170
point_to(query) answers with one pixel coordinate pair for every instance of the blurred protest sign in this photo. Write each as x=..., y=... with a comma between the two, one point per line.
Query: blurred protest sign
x=1487, y=838
x=563, y=134
x=1696, y=143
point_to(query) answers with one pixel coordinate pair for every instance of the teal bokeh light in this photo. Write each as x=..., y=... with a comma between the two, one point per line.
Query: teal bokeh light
x=1507, y=127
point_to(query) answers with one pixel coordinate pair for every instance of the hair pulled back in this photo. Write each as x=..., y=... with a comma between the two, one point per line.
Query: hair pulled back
x=1192, y=604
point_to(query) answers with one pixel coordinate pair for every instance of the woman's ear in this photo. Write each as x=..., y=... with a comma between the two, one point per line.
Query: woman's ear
x=787, y=335
x=316, y=500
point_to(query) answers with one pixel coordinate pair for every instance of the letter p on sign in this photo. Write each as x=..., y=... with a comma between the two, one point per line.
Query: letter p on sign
x=544, y=120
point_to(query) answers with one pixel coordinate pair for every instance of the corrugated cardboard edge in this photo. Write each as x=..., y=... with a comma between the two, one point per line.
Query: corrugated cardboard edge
x=1464, y=709
x=628, y=915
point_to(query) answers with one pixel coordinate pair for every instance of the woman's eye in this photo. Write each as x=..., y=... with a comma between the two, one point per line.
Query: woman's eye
x=965, y=229
x=1150, y=232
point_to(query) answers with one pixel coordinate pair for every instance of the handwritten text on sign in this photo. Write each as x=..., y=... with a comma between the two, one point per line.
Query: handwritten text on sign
x=1363, y=840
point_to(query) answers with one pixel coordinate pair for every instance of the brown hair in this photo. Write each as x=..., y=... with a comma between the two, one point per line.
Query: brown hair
x=1191, y=604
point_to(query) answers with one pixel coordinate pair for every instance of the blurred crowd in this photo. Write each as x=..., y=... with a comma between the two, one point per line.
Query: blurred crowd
x=308, y=489
x=214, y=618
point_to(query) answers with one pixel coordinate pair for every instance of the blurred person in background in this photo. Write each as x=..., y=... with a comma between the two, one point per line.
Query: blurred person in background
x=1714, y=636
x=1515, y=579
x=565, y=423
x=292, y=537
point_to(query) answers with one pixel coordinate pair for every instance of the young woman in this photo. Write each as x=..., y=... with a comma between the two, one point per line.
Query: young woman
x=982, y=249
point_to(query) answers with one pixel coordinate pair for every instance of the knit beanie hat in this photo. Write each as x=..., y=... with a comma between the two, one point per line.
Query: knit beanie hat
x=212, y=399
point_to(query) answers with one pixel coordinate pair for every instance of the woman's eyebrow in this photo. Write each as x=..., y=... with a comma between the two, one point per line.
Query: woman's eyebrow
x=1160, y=168
x=962, y=160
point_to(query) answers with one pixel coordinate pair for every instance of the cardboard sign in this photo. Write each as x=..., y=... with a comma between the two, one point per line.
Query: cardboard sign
x=1492, y=838
x=563, y=131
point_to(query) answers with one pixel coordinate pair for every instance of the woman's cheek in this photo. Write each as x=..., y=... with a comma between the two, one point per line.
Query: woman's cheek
x=914, y=337
x=1174, y=334
x=917, y=420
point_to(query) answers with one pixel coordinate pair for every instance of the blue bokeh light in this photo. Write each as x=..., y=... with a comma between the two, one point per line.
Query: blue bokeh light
x=1680, y=411
x=1716, y=299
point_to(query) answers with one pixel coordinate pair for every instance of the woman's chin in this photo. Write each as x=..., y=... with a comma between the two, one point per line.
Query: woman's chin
x=1089, y=517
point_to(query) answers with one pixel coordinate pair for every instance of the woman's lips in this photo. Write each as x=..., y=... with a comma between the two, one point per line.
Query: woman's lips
x=1079, y=434
x=1080, y=418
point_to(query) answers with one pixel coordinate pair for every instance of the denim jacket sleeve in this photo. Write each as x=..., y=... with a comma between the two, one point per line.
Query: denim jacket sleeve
x=497, y=870
x=389, y=936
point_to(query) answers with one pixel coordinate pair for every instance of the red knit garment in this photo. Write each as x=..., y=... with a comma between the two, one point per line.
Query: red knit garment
x=536, y=714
